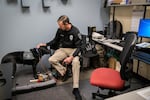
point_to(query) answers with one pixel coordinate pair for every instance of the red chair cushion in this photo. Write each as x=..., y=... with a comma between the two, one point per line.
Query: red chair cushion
x=107, y=78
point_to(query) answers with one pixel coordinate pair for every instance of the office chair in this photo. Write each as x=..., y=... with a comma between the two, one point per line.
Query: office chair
x=107, y=78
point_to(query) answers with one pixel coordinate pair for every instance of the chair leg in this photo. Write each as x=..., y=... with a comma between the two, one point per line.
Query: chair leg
x=93, y=95
x=98, y=94
x=111, y=93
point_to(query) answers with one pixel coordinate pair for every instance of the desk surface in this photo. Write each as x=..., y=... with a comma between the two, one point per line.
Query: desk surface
x=143, y=58
x=109, y=44
x=140, y=94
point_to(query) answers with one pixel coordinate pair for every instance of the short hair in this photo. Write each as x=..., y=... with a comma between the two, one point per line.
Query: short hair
x=64, y=19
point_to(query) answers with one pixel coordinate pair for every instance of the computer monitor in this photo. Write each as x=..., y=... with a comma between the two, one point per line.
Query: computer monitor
x=144, y=28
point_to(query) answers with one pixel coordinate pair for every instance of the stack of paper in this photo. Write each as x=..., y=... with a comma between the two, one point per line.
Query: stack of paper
x=143, y=45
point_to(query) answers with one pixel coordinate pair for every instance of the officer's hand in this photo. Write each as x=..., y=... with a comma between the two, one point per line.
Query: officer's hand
x=41, y=44
x=68, y=60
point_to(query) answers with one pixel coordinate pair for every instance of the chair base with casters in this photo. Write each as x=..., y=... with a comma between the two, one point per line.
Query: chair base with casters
x=99, y=94
x=111, y=79
x=111, y=93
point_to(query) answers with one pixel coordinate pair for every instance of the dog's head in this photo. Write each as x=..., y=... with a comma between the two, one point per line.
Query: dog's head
x=39, y=52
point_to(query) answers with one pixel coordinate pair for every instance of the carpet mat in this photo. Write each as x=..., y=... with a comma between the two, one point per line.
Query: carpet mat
x=63, y=90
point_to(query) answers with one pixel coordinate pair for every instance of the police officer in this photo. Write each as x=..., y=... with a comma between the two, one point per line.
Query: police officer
x=67, y=42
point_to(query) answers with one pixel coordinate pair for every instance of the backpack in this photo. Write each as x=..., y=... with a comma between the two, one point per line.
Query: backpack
x=88, y=47
x=88, y=51
x=114, y=30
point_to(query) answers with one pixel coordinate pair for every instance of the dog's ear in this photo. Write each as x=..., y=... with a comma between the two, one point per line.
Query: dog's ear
x=44, y=50
x=38, y=53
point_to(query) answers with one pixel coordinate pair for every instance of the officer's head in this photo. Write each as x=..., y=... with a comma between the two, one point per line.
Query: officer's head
x=63, y=22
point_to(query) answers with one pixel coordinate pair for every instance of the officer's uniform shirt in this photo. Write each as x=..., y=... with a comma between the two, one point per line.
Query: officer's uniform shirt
x=67, y=39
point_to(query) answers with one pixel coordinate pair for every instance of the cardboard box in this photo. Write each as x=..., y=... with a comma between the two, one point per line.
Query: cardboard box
x=137, y=1
x=116, y=1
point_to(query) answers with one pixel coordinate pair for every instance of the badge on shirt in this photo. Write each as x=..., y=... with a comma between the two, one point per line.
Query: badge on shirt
x=79, y=35
x=71, y=37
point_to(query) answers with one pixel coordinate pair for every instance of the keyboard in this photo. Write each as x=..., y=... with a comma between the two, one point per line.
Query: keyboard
x=142, y=55
x=121, y=43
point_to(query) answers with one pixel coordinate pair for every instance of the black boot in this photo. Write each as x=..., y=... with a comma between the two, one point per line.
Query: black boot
x=65, y=77
x=76, y=93
x=58, y=76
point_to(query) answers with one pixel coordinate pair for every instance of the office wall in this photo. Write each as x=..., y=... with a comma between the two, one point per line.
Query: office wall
x=128, y=19
x=125, y=18
x=22, y=29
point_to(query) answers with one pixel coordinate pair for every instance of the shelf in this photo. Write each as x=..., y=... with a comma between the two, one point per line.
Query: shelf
x=124, y=5
x=114, y=6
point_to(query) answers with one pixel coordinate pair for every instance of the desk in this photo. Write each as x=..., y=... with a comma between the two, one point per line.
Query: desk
x=119, y=48
x=140, y=94
x=109, y=44
x=142, y=56
x=141, y=64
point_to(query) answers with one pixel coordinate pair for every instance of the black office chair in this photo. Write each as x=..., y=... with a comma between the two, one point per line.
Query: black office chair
x=107, y=78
